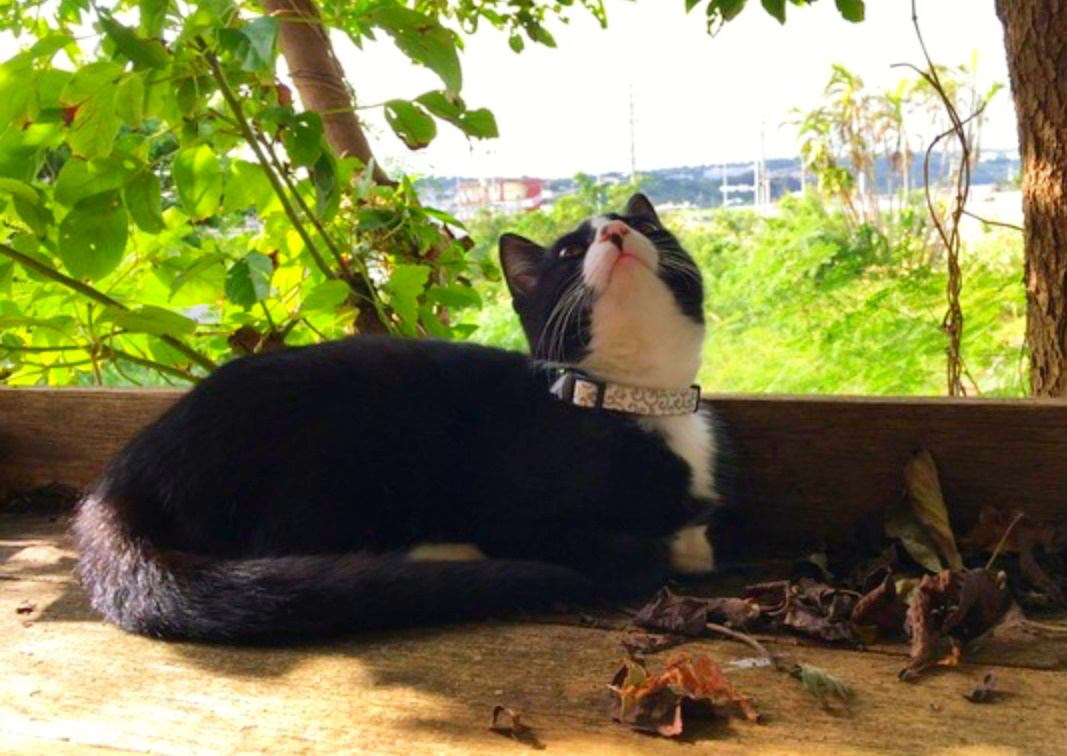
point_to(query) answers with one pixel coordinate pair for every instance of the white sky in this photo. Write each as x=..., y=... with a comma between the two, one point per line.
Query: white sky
x=697, y=99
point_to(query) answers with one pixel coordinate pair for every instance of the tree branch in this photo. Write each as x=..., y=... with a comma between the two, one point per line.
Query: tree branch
x=101, y=298
x=246, y=131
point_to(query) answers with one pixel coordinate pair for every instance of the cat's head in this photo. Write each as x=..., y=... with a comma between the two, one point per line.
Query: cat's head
x=617, y=296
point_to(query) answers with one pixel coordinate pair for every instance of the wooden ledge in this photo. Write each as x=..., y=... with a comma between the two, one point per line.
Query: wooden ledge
x=807, y=467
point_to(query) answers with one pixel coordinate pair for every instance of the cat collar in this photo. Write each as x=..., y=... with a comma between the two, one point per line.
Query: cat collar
x=574, y=387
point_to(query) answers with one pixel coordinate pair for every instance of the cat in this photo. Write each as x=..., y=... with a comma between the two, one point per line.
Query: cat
x=374, y=483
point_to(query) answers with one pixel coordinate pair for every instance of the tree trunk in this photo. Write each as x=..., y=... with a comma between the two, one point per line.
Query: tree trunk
x=320, y=83
x=1035, y=36
x=319, y=79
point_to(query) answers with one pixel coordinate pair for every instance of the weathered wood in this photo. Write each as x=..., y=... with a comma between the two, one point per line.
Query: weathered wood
x=73, y=684
x=808, y=468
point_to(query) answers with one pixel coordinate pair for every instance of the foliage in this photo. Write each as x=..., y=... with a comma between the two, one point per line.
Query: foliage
x=855, y=130
x=803, y=302
x=164, y=206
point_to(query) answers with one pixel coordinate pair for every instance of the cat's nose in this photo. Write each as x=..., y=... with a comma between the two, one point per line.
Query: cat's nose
x=614, y=231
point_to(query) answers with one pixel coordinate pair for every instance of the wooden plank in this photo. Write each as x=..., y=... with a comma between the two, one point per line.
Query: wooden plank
x=73, y=684
x=808, y=467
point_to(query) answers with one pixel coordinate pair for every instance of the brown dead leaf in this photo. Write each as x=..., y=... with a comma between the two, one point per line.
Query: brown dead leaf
x=1000, y=532
x=924, y=493
x=948, y=609
x=514, y=727
x=808, y=607
x=881, y=608
x=985, y=691
x=661, y=703
x=688, y=615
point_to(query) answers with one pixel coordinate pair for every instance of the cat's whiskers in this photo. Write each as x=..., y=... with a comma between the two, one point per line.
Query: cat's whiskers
x=575, y=300
x=554, y=323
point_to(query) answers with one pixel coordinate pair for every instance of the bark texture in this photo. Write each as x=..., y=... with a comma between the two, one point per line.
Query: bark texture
x=1035, y=37
x=319, y=79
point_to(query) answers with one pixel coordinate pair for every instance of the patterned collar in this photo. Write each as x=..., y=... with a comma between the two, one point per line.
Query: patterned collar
x=577, y=388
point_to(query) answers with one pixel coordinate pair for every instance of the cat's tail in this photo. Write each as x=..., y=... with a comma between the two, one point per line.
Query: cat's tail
x=178, y=595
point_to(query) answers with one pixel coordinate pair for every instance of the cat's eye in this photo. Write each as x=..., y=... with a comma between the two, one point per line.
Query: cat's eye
x=645, y=227
x=571, y=250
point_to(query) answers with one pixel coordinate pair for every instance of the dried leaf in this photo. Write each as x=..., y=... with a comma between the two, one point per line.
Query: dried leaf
x=514, y=728
x=946, y=609
x=902, y=524
x=924, y=493
x=821, y=684
x=880, y=608
x=688, y=687
x=688, y=615
x=1015, y=533
x=985, y=691
x=808, y=607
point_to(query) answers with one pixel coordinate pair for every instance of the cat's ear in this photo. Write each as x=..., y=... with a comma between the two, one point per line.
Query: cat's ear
x=639, y=204
x=520, y=257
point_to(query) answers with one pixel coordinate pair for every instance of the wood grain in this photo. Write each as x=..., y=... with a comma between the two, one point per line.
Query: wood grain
x=72, y=684
x=809, y=468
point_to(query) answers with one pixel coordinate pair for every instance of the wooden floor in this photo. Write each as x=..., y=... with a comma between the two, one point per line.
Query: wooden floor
x=71, y=684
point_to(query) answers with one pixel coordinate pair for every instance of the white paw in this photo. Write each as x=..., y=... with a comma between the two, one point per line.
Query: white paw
x=445, y=552
x=691, y=552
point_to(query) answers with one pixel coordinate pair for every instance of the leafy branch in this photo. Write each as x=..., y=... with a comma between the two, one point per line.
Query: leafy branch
x=99, y=297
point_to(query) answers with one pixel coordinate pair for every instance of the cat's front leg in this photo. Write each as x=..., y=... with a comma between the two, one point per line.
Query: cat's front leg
x=690, y=551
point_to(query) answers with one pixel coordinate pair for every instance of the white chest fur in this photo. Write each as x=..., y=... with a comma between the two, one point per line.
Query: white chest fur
x=692, y=438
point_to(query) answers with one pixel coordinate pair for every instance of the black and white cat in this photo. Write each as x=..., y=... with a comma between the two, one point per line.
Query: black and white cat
x=373, y=483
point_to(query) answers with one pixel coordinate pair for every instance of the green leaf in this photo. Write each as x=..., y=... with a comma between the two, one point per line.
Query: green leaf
x=540, y=34
x=728, y=8
x=516, y=43
x=143, y=53
x=48, y=46
x=852, y=10
x=326, y=296
x=423, y=40
x=38, y=218
x=93, y=131
x=476, y=123
x=480, y=124
x=690, y=4
x=454, y=296
x=432, y=323
x=143, y=200
x=303, y=139
x=252, y=45
x=404, y=287
x=153, y=16
x=247, y=186
x=129, y=99
x=157, y=321
x=92, y=237
x=776, y=8
x=200, y=280
x=14, y=93
x=79, y=179
x=327, y=190
x=198, y=178
x=411, y=123
x=18, y=188
x=248, y=280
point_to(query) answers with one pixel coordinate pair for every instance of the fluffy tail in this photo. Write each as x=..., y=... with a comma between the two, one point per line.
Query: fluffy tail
x=187, y=596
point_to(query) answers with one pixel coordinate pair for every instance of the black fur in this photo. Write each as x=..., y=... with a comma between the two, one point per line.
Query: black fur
x=278, y=498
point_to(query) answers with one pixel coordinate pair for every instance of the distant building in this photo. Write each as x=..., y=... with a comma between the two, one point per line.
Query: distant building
x=504, y=195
